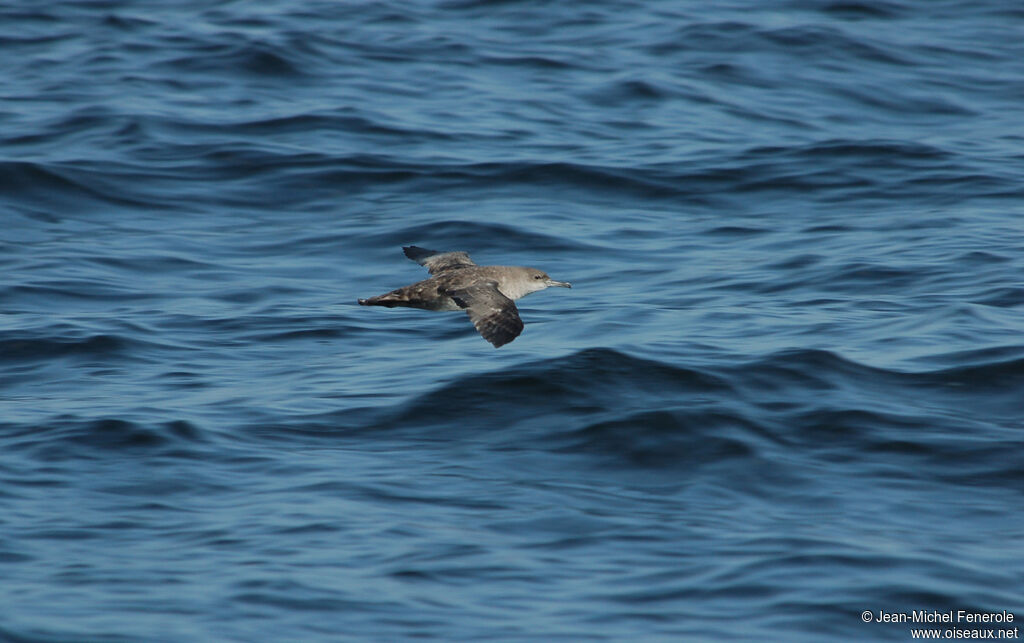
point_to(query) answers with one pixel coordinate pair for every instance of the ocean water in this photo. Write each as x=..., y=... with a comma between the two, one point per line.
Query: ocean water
x=786, y=388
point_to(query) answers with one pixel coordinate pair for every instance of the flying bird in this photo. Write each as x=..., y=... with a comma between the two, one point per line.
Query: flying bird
x=486, y=293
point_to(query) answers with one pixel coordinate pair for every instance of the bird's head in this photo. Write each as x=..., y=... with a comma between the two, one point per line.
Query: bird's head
x=520, y=281
x=539, y=280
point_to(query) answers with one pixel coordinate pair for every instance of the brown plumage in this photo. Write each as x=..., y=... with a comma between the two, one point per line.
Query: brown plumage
x=486, y=293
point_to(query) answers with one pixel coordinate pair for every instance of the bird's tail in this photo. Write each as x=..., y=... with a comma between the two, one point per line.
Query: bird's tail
x=388, y=299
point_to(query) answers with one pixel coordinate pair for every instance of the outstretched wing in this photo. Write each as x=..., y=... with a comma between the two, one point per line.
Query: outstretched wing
x=494, y=315
x=435, y=261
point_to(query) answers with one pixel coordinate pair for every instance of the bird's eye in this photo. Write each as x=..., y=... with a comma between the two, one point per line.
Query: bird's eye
x=536, y=276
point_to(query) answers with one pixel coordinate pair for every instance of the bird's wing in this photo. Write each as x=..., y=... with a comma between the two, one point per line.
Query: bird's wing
x=494, y=315
x=435, y=261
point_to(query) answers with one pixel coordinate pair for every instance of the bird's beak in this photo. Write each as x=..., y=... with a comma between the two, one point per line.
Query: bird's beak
x=561, y=284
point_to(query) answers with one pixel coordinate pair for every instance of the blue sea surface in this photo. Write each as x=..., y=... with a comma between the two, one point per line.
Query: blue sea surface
x=786, y=388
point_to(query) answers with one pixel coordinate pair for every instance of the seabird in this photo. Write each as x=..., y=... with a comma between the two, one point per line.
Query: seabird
x=486, y=293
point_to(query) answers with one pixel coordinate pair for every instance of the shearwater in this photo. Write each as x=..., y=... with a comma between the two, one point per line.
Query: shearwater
x=486, y=293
